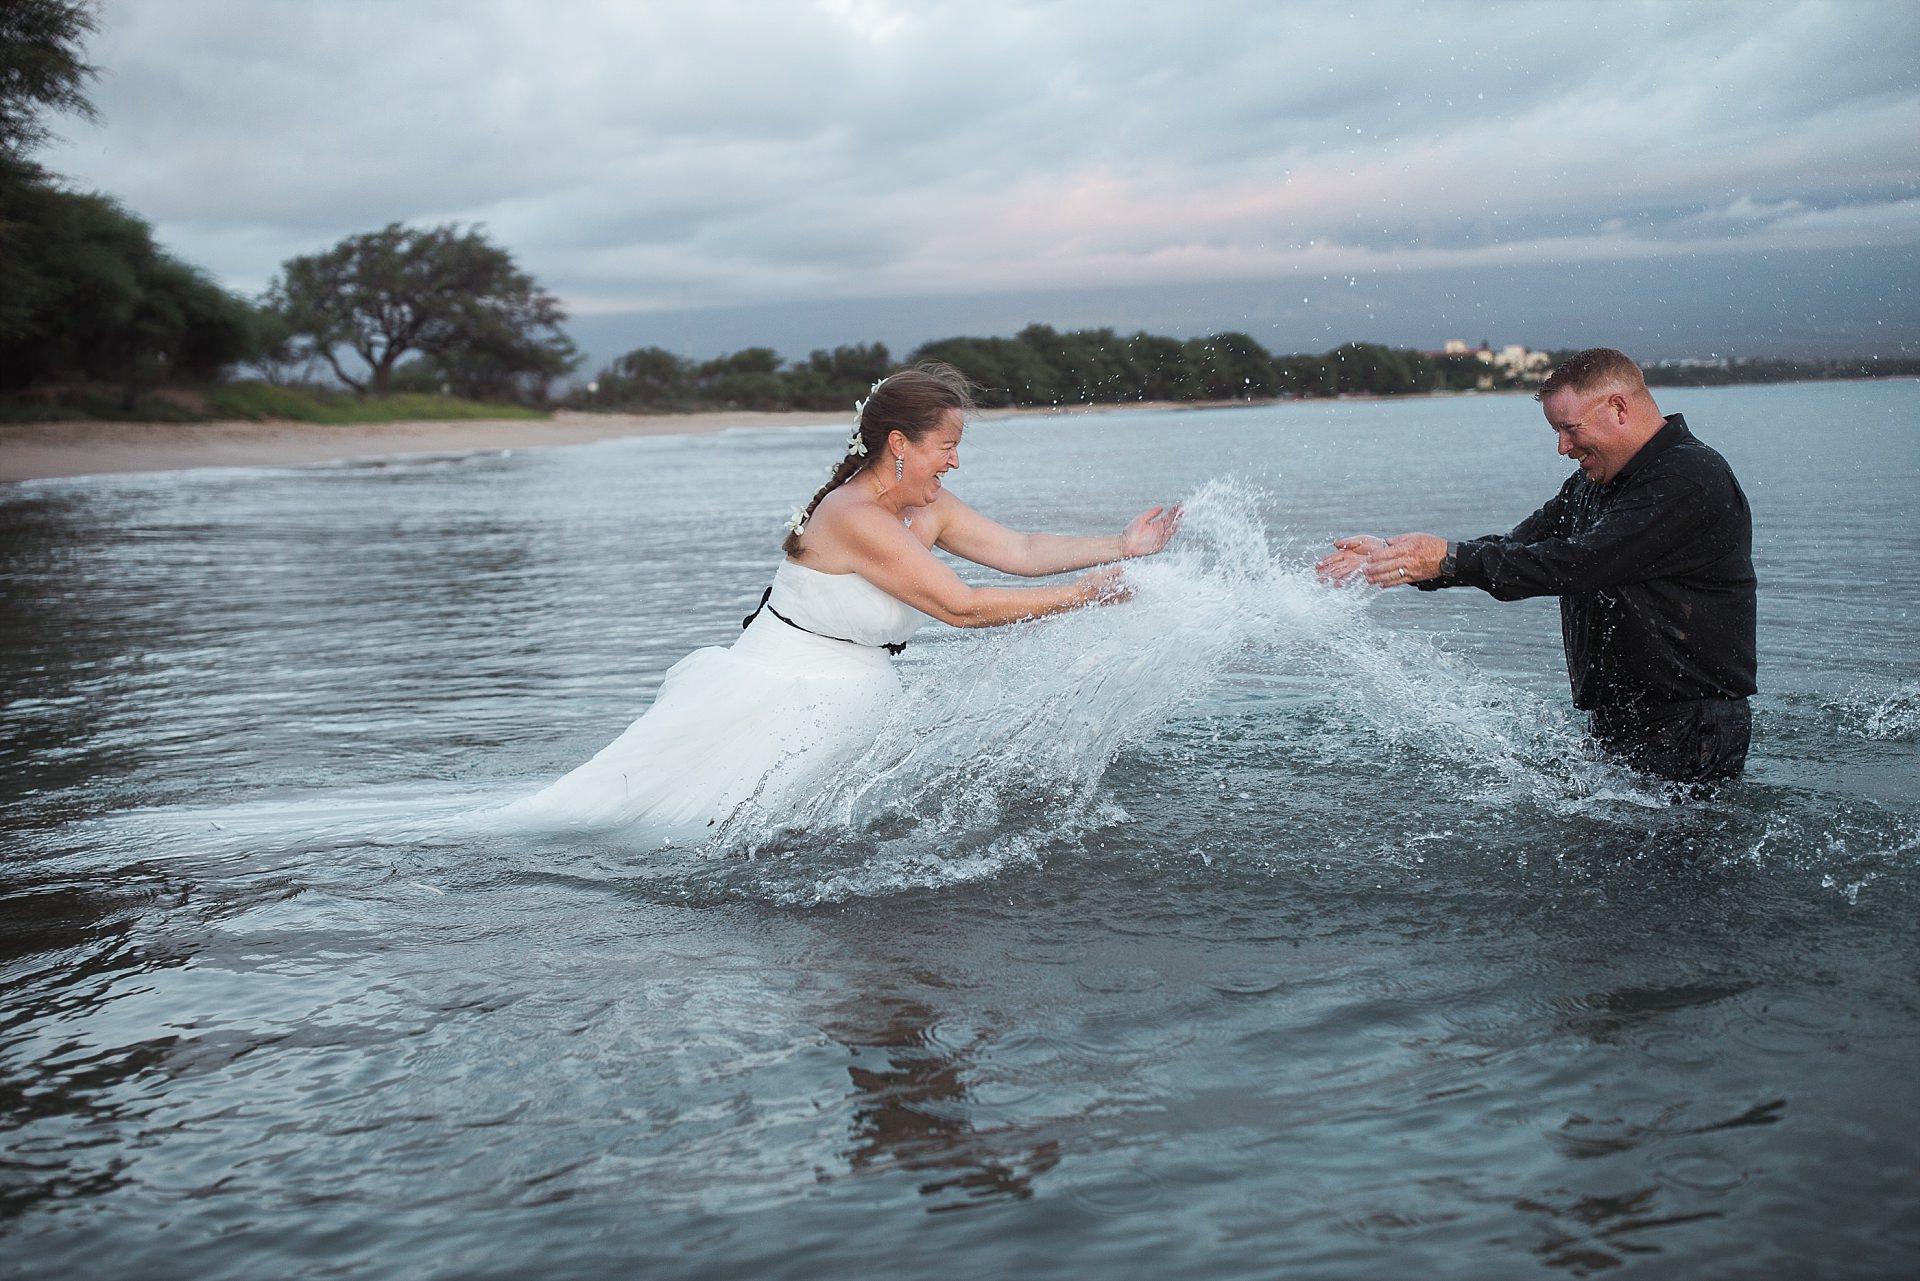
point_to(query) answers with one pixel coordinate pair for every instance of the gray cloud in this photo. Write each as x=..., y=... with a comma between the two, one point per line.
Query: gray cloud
x=665, y=156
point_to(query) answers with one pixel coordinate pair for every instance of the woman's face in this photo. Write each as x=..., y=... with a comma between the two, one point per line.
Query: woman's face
x=925, y=461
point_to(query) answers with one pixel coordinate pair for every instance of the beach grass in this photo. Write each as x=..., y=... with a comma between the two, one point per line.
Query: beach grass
x=259, y=400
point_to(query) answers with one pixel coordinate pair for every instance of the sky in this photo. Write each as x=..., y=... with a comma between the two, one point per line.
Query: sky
x=1676, y=179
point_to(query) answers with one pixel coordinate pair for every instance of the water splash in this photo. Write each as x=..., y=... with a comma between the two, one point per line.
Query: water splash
x=1878, y=715
x=1001, y=744
x=1232, y=694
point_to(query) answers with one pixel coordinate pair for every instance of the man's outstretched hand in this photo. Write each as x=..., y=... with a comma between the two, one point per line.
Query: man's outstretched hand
x=1384, y=562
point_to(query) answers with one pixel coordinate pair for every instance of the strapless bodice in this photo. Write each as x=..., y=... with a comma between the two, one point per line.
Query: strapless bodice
x=845, y=606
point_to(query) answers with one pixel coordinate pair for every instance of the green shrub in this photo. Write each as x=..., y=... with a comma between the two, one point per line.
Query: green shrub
x=258, y=400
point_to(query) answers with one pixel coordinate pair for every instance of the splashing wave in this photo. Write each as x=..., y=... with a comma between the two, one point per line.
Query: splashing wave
x=1001, y=743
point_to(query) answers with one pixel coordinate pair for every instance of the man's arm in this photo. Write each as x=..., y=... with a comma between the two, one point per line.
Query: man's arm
x=1424, y=560
x=1636, y=532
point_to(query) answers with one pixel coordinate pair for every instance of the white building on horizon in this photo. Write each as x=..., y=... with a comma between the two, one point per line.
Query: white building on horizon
x=1515, y=359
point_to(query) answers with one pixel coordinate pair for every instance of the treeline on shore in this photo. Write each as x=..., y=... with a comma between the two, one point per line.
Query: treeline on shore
x=1042, y=366
x=1766, y=369
x=1039, y=366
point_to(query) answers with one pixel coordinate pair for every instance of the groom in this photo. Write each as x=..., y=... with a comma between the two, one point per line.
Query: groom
x=1649, y=548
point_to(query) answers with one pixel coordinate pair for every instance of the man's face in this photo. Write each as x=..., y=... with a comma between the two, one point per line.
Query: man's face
x=1593, y=431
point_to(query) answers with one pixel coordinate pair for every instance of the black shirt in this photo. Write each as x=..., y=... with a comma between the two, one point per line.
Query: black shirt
x=1654, y=571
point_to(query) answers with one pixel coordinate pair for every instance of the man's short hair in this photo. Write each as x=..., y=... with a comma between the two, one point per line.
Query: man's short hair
x=1592, y=369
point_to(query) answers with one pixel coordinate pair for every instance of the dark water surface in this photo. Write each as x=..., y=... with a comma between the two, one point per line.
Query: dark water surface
x=1250, y=929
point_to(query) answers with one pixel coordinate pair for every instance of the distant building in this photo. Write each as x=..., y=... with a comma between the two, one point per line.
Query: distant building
x=1514, y=361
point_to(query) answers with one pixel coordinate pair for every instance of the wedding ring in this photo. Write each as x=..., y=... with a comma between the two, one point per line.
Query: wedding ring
x=1403, y=571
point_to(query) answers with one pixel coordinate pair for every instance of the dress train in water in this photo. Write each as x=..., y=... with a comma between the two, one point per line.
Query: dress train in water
x=766, y=719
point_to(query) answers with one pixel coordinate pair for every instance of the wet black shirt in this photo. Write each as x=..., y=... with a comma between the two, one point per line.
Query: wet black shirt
x=1654, y=572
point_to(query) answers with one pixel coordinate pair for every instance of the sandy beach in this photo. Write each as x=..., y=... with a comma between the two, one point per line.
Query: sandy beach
x=38, y=451
x=41, y=451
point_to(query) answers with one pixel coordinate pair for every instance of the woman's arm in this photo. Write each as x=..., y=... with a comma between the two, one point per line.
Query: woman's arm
x=971, y=536
x=886, y=554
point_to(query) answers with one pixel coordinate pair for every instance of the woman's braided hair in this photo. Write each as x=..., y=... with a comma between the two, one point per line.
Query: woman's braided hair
x=913, y=402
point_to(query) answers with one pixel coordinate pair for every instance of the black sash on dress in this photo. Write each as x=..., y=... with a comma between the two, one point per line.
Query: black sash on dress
x=891, y=648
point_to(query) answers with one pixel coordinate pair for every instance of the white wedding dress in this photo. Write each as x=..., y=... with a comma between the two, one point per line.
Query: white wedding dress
x=765, y=720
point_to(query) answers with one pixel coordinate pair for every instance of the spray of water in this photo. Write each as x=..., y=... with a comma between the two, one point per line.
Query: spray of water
x=1002, y=740
x=1877, y=714
x=1001, y=749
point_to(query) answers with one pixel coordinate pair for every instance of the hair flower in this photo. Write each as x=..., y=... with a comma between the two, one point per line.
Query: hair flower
x=797, y=523
x=856, y=446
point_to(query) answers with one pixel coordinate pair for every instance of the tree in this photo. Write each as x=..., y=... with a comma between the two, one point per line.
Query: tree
x=92, y=297
x=1462, y=371
x=831, y=380
x=746, y=379
x=277, y=356
x=85, y=293
x=1381, y=371
x=1156, y=367
x=40, y=71
x=449, y=295
x=1006, y=370
x=1088, y=365
x=1306, y=376
x=1240, y=368
x=646, y=378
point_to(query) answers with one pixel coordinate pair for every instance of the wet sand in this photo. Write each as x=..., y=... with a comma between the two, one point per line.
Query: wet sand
x=40, y=451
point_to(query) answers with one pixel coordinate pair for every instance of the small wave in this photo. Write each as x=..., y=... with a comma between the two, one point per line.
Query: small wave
x=1877, y=715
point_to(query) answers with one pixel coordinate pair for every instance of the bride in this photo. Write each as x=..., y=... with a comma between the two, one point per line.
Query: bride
x=805, y=687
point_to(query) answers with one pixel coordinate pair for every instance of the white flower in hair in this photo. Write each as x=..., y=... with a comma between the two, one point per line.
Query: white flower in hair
x=797, y=523
x=855, y=445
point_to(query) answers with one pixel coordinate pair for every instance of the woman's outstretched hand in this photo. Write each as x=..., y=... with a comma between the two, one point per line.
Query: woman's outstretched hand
x=1106, y=586
x=1150, y=531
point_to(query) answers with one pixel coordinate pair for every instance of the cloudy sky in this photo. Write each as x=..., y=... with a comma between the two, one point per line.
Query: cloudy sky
x=1674, y=178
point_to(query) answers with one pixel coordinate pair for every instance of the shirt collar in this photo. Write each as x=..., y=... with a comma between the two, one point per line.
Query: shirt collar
x=1670, y=434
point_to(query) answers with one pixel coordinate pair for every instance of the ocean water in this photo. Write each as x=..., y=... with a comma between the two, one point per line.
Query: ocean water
x=1252, y=928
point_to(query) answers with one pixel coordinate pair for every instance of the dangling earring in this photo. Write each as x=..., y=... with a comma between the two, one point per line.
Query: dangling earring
x=899, y=467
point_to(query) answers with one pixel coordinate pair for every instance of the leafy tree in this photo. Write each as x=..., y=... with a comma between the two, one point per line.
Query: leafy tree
x=40, y=71
x=1156, y=368
x=276, y=355
x=85, y=293
x=748, y=379
x=92, y=297
x=1381, y=371
x=646, y=378
x=1462, y=372
x=1088, y=365
x=449, y=295
x=1306, y=376
x=1239, y=368
x=836, y=379
x=1006, y=370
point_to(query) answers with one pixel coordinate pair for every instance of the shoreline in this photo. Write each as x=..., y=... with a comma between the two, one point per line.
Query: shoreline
x=67, y=450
